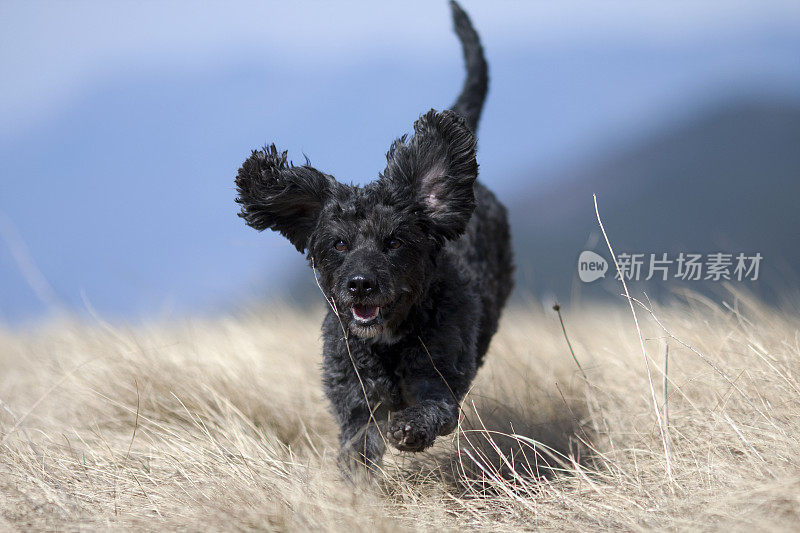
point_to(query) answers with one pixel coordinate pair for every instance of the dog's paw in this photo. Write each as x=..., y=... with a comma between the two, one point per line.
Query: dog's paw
x=356, y=470
x=408, y=432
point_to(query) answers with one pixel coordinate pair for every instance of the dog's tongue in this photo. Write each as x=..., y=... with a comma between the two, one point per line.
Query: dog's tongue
x=365, y=312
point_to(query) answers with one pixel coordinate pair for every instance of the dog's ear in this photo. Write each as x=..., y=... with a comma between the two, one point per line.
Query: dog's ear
x=277, y=195
x=437, y=165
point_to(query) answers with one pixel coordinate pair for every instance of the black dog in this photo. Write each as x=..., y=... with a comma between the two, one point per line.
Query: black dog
x=416, y=265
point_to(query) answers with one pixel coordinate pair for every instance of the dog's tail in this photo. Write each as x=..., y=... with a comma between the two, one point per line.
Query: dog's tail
x=473, y=93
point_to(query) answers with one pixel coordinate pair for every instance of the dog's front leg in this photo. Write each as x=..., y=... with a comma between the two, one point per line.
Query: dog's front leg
x=432, y=390
x=415, y=428
x=361, y=442
x=433, y=380
x=357, y=409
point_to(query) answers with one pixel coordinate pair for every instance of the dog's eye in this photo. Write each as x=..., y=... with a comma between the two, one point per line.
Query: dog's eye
x=394, y=244
x=340, y=246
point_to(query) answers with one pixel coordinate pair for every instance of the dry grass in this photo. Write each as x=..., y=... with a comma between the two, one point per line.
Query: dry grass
x=221, y=424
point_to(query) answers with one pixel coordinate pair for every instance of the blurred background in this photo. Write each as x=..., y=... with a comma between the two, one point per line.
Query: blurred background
x=122, y=125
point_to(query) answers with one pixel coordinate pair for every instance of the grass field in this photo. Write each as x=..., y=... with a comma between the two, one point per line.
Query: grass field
x=221, y=424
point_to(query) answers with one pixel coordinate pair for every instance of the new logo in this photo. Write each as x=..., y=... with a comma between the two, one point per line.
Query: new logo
x=591, y=266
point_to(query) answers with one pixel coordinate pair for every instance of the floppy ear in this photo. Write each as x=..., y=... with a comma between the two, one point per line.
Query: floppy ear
x=437, y=165
x=277, y=195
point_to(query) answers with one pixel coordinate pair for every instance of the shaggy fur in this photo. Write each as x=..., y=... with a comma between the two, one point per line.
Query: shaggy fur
x=416, y=266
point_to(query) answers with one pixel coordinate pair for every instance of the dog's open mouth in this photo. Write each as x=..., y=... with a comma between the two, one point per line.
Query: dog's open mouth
x=368, y=320
x=365, y=313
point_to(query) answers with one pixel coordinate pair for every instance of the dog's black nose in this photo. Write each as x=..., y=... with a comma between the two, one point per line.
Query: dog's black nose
x=361, y=285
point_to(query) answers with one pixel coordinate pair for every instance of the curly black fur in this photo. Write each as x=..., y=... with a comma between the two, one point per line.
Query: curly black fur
x=417, y=266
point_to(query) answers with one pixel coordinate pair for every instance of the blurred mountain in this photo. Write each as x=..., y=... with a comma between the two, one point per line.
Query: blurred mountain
x=727, y=180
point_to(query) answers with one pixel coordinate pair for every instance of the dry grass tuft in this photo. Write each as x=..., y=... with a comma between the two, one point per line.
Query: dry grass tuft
x=221, y=424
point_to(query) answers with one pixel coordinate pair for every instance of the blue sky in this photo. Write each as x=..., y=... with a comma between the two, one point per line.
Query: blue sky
x=123, y=123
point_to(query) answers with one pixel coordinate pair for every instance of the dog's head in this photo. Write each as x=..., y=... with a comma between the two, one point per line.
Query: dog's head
x=375, y=247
